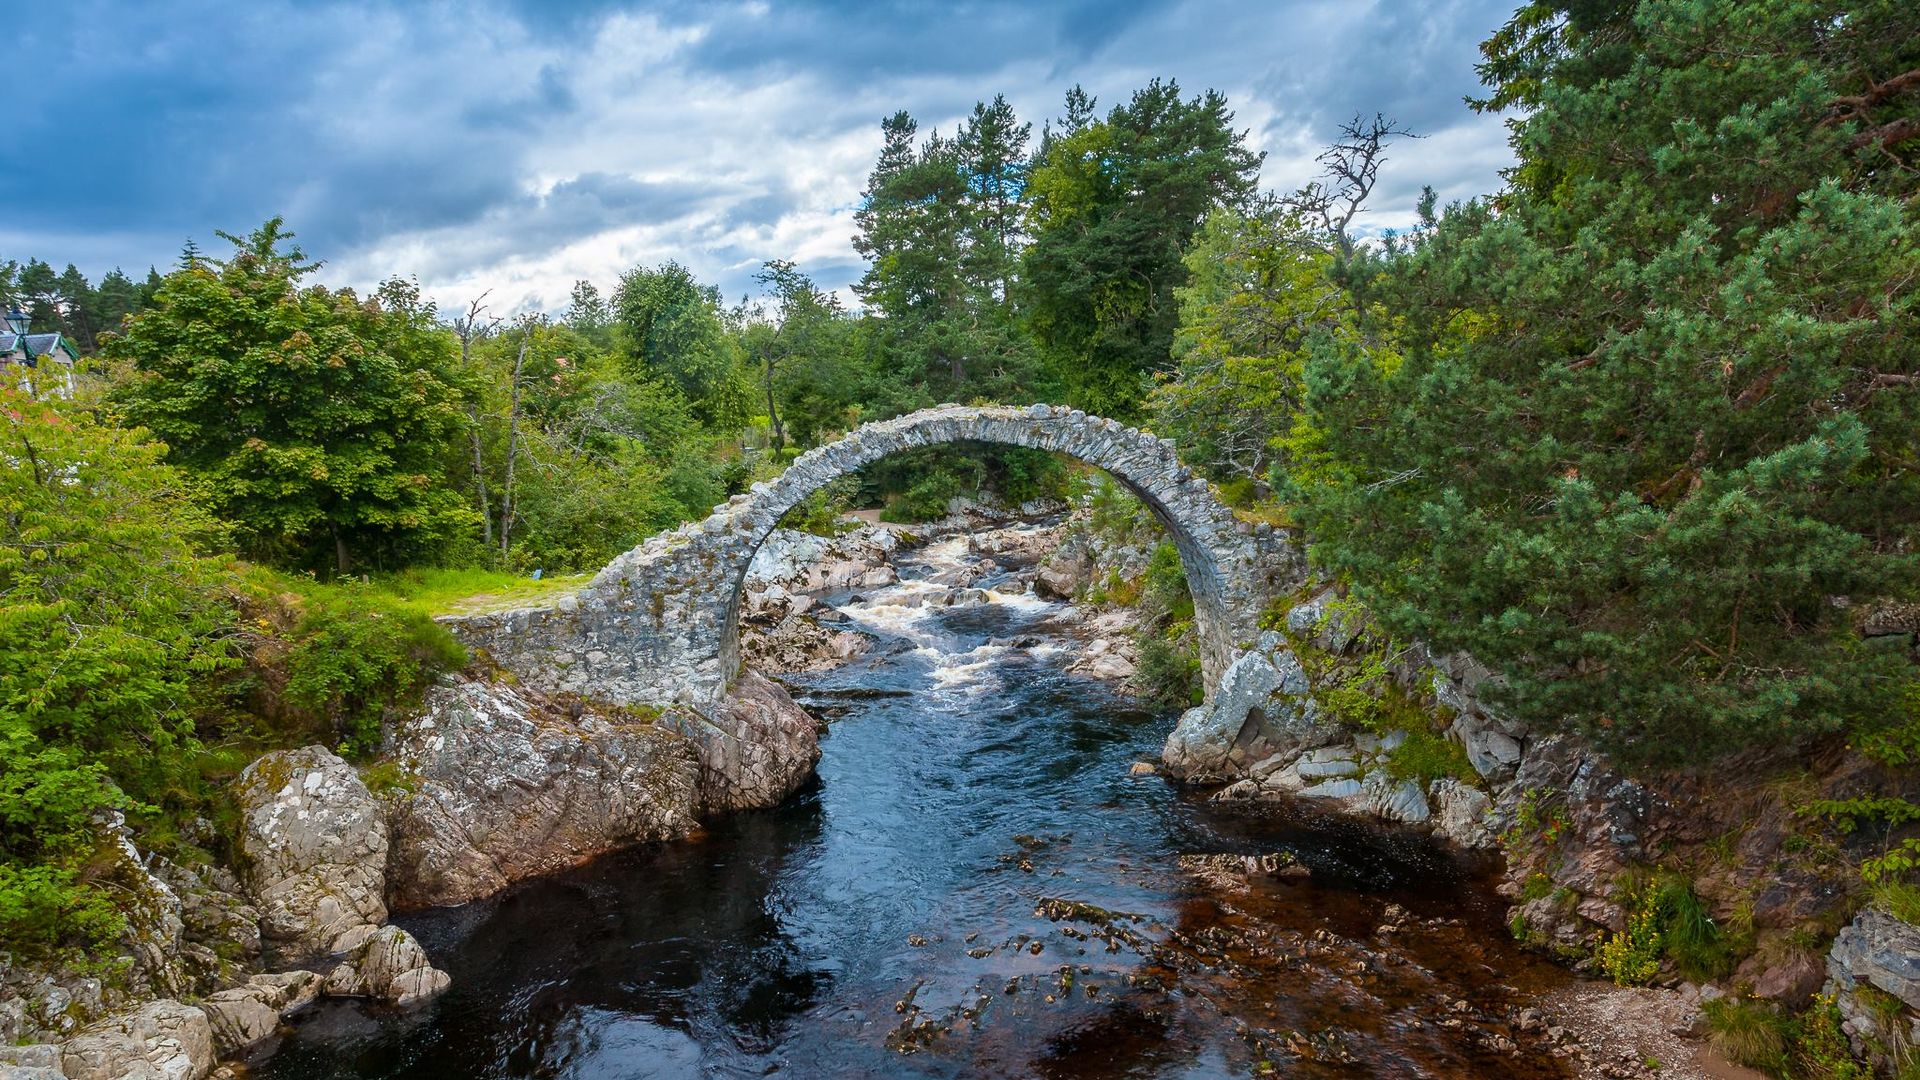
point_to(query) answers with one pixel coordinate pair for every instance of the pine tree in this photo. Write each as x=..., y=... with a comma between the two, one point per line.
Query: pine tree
x=1644, y=436
x=936, y=226
x=1112, y=205
x=79, y=314
x=116, y=298
x=992, y=149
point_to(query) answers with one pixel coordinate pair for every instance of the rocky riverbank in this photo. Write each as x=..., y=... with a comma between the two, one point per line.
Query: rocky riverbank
x=1323, y=709
x=487, y=785
x=492, y=783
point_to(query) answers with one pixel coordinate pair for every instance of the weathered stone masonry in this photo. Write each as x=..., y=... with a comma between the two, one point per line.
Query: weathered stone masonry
x=660, y=625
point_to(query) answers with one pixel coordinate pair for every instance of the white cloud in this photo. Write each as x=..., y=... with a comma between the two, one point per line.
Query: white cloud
x=475, y=146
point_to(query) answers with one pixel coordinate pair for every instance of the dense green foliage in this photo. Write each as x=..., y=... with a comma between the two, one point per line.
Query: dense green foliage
x=68, y=303
x=1112, y=205
x=105, y=624
x=314, y=419
x=1641, y=418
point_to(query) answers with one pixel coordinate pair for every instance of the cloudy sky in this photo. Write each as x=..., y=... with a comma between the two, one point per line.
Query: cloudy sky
x=518, y=145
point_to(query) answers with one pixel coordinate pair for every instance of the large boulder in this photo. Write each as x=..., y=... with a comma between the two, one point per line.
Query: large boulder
x=163, y=1041
x=1876, y=952
x=386, y=964
x=803, y=562
x=315, y=846
x=755, y=748
x=246, y=1015
x=508, y=784
x=1460, y=813
x=1263, y=706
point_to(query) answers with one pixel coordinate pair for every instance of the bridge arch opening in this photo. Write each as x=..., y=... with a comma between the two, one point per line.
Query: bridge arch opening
x=1210, y=541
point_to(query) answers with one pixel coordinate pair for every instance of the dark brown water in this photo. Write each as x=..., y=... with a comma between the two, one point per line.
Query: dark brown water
x=974, y=887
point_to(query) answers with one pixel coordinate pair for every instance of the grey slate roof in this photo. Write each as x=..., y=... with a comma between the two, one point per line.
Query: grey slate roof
x=37, y=344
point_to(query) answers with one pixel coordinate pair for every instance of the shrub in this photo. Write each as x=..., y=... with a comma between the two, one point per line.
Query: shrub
x=1631, y=956
x=1749, y=1033
x=109, y=624
x=1694, y=941
x=44, y=907
x=355, y=655
x=926, y=499
x=1168, y=675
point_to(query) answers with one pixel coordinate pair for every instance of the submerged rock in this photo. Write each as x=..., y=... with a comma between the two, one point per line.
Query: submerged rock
x=1240, y=871
x=315, y=841
x=508, y=784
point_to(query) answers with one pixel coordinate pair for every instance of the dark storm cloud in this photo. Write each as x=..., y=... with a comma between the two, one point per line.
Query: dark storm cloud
x=892, y=39
x=519, y=144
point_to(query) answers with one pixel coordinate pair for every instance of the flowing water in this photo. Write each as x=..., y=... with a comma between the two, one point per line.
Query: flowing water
x=977, y=885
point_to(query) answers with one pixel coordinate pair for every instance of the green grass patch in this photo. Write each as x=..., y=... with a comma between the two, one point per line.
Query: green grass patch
x=472, y=591
x=1749, y=1033
x=1426, y=756
x=1901, y=899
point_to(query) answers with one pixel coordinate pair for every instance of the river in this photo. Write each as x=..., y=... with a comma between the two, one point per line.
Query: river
x=977, y=885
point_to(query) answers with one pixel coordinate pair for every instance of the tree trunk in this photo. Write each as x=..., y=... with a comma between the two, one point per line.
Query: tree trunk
x=773, y=414
x=513, y=445
x=466, y=329
x=341, y=563
x=480, y=477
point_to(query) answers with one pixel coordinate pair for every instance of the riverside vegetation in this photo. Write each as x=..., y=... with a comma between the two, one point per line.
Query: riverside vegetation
x=1636, y=434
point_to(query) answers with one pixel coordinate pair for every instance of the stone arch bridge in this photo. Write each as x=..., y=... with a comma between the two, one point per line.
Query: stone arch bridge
x=660, y=625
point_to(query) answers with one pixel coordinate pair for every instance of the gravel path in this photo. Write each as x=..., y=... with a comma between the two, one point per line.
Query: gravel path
x=1621, y=1032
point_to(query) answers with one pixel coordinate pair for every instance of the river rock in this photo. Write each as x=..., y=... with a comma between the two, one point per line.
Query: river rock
x=1460, y=813
x=1880, y=951
x=32, y=1061
x=1328, y=761
x=166, y=1040
x=1056, y=581
x=773, y=603
x=1396, y=800
x=1263, y=706
x=804, y=562
x=387, y=964
x=315, y=846
x=509, y=784
x=757, y=748
x=799, y=643
x=1115, y=658
x=1342, y=789
x=247, y=1015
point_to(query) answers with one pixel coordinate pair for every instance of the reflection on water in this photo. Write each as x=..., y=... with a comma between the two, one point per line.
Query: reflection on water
x=975, y=886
